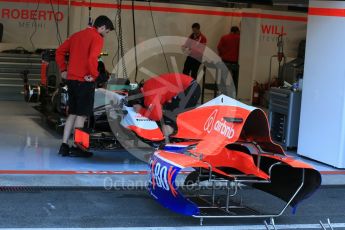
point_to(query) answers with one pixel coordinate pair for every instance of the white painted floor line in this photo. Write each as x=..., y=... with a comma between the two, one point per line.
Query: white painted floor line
x=235, y=227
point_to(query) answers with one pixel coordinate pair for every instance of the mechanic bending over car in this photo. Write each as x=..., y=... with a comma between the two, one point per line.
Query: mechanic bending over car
x=163, y=97
x=83, y=48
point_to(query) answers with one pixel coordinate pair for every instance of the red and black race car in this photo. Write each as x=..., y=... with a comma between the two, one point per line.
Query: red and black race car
x=224, y=144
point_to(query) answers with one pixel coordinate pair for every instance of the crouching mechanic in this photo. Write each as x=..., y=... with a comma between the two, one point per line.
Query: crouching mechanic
x=164, y=97
x=83, y=48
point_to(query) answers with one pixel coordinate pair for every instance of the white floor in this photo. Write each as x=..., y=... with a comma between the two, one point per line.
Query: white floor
x=27, y=143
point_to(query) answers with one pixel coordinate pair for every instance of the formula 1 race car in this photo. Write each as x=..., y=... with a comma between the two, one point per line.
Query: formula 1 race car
x=124, y=122
x=228, y=143
x=51, y=94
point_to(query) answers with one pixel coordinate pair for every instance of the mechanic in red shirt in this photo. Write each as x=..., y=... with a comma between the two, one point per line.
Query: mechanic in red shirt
x=81, y=71
x=172, y=93
x=194, y=48
x=228, y=50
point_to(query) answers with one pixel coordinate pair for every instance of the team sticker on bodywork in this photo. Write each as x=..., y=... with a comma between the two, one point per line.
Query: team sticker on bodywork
x=220, y=126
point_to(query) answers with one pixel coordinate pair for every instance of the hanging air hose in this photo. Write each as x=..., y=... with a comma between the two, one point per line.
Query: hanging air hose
x=157, y=37
x=90, y=19
x=58, y=35
x=35, y=29
x=135, y=43
x=120, y=39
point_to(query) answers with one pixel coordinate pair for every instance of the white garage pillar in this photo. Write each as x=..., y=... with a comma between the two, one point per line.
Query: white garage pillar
x=322, y=123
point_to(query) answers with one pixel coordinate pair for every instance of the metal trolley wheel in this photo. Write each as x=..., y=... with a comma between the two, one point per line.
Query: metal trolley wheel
x=32, y=93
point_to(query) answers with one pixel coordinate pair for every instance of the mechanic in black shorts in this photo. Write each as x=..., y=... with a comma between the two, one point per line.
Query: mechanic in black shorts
x=83, y=48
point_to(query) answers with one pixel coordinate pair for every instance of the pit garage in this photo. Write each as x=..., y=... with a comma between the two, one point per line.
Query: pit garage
x=262, y=148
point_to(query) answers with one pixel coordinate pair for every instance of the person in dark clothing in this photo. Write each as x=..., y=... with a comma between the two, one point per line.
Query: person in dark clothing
x=83, y=48
x=228, y=50
x=194, y=48
x=165, y=96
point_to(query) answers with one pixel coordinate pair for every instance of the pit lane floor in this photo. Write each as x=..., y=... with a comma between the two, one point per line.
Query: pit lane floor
x=28, y=156
x=28, y=143
x=100, y=208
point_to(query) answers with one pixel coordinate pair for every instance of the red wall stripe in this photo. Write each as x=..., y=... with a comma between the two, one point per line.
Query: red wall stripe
x=159, y=9
x=275, y=17
x=64, y=172
x=57, y=172
x=326, y=12
x=61, y=2
x=165, y=9
x=61, y=172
